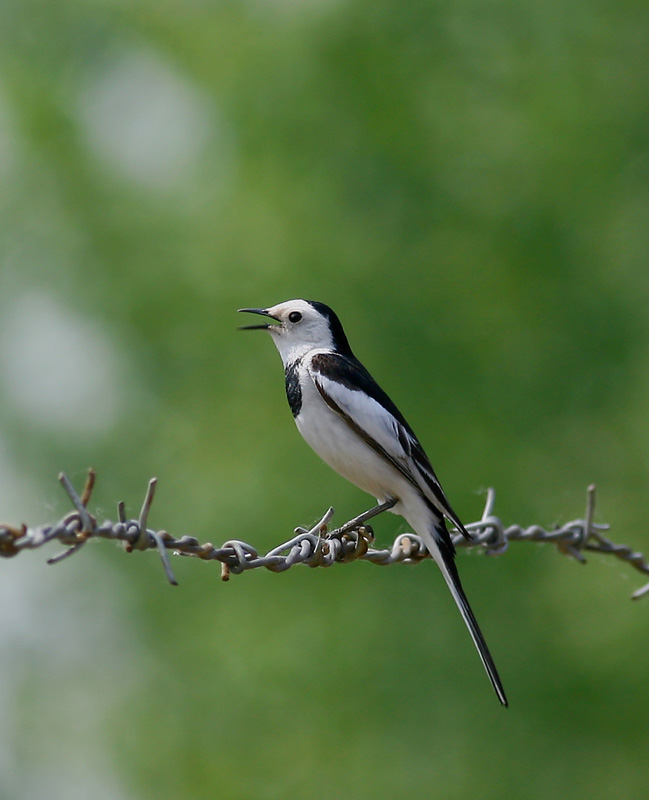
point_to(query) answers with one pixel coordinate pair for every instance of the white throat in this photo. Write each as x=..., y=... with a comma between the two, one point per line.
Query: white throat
x=291, y=350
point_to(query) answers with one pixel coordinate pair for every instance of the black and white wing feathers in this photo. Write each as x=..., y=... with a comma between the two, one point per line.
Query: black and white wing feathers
x=348, y=389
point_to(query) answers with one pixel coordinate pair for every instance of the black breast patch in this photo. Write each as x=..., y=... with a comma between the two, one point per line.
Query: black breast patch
x=293, y=390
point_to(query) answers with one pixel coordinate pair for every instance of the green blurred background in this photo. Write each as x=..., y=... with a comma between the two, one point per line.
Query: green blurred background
x=467, y=185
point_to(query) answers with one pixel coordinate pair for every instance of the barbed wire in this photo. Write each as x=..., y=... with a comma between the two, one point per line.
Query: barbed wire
x=315, y=547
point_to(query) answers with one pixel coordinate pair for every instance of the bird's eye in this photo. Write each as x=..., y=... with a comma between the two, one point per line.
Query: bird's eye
x=294, y=316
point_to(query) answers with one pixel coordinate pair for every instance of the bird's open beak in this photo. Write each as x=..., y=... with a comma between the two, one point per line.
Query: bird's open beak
x=261, y=311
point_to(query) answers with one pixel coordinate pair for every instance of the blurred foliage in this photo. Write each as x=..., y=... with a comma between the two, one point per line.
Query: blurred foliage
x=467, y=185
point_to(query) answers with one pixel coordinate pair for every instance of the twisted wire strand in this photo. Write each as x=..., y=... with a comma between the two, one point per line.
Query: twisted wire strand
x=315, y=547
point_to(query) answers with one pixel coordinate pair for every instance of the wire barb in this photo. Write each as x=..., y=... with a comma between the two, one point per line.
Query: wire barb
x=315, y=546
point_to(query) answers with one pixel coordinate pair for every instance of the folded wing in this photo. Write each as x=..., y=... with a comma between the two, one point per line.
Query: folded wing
x=348, y=389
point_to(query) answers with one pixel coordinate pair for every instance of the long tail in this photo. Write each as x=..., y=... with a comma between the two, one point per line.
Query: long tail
x=442, y=550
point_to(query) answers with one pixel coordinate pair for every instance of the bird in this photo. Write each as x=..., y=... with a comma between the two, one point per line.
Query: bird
x=355, y=428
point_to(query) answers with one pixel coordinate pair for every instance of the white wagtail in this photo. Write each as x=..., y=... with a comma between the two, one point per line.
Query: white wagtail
x=354, y=427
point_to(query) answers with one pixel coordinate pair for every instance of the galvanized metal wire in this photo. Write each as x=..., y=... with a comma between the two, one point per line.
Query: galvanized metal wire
x=316, y=547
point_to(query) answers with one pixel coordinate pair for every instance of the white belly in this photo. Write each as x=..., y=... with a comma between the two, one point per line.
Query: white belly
x=343, y=450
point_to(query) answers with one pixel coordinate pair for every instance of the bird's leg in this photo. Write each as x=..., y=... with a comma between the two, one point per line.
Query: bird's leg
x=355, y=523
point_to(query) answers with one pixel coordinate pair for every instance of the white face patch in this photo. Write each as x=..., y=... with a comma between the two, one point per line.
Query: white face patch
x=300, y=329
